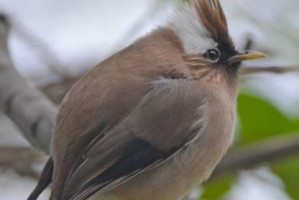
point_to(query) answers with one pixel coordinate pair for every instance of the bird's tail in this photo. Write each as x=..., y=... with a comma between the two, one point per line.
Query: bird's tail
x=44, y=180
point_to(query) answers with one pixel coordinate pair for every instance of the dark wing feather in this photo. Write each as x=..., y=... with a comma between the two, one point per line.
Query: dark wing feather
x=155, y=130
x=44, y=181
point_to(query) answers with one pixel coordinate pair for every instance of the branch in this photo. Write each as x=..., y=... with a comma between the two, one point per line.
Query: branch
x=267, y=152
x=21, y=161
x=56, y=91
x=271, y=69
x=26, y=106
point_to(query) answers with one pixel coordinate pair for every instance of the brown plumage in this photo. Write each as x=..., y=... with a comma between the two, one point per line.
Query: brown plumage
x=153, y=120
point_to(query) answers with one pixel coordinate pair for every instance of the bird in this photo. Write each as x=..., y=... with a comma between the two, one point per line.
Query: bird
x=153, y=120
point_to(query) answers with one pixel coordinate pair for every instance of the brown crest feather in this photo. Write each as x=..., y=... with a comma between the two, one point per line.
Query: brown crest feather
x=213, y=18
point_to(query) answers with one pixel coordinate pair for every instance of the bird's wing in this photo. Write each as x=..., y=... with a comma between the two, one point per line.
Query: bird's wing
x=154, y=131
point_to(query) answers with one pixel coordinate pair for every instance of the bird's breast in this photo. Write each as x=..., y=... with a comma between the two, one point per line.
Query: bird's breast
x=191, y=166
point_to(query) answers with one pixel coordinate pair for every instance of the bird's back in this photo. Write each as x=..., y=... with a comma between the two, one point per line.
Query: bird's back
x=108, y=93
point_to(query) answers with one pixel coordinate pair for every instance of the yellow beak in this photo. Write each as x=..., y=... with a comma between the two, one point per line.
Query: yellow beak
x=249, y=55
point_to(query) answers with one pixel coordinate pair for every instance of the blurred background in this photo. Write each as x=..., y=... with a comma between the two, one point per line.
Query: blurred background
x=53, y=42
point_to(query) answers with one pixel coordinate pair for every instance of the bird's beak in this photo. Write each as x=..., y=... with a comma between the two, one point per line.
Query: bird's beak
x=248, y=55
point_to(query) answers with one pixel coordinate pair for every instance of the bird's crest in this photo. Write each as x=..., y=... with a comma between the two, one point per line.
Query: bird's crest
x=212, y=17
x=197, y=21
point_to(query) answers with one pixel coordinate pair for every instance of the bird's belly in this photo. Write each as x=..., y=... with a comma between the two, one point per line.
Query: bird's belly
x=180, y=174
x=190, y=167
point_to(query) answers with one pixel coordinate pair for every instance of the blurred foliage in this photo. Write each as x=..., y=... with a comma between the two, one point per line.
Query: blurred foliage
x=288, y=171
x=260, y=120
x=216, y=189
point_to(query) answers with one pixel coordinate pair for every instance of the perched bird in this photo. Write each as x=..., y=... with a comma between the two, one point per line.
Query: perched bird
x=152, y=121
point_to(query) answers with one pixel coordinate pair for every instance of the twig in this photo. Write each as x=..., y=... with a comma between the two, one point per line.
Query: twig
x=269, y=151
x=26, y=106
x=56, y=91
x=20, y=160
x=270, y=69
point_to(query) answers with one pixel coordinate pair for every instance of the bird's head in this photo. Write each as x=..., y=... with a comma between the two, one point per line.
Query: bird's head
x=202, y=28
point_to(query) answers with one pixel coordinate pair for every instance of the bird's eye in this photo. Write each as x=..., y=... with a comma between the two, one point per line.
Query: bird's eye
x=213, y=55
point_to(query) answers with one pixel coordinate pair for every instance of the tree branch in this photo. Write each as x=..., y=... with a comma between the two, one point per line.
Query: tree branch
x=21, y=161
x=270, y=69
x=266, y=152
x=26, y=106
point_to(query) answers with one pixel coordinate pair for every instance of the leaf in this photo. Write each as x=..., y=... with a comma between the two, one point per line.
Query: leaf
x=288, y=170
x=216, y=189
x=261, y=120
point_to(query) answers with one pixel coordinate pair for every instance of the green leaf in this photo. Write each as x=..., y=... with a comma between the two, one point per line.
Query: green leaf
x=216, y=189
x=288, y=170
x=261, y=120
